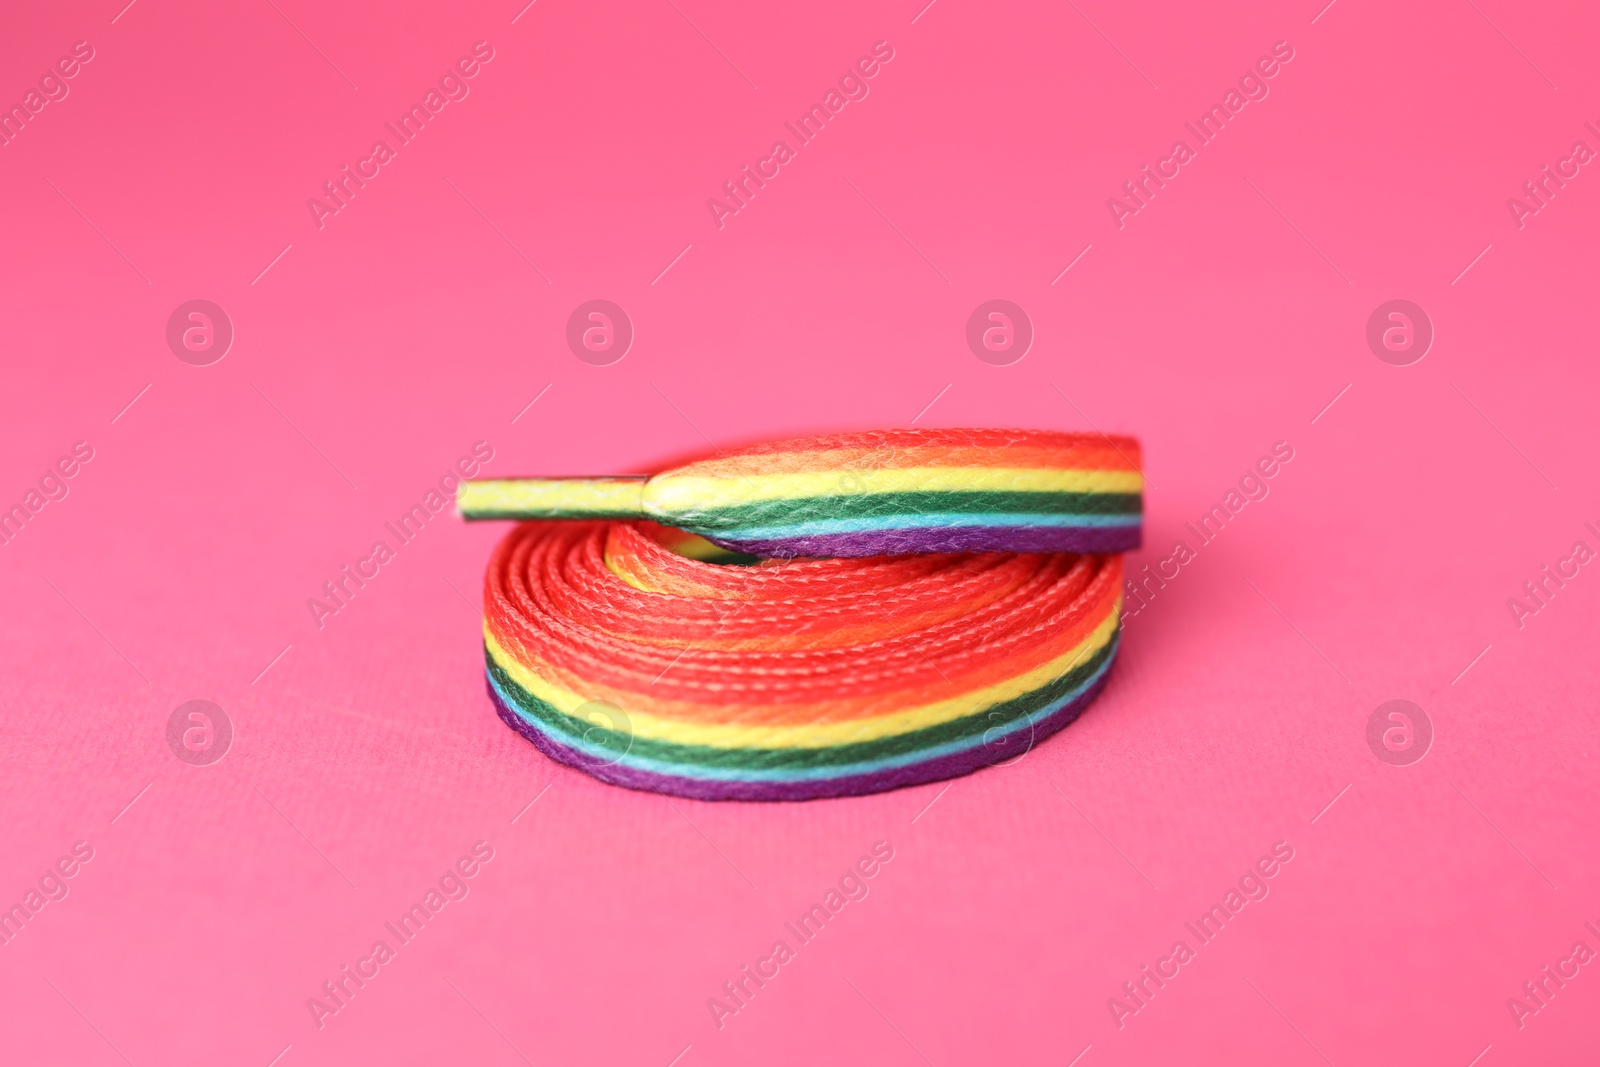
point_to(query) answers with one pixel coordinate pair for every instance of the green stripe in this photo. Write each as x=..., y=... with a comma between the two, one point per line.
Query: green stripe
x=529, y=514
x=885, y=505
x=997, y=716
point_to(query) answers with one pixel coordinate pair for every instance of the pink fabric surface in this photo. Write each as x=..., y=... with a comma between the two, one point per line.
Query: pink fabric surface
x=371, y=353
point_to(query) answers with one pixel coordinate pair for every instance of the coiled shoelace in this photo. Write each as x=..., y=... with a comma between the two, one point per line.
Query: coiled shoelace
x=970, y=608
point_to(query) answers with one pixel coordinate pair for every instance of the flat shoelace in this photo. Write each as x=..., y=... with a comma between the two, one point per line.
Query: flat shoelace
x=970, y=608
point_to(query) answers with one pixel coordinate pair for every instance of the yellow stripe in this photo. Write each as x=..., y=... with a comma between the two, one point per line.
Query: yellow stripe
x=815, y=735
x=669, y=494
x=552, y=497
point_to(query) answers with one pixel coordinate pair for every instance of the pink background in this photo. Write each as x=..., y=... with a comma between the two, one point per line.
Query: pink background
x=1222, y=318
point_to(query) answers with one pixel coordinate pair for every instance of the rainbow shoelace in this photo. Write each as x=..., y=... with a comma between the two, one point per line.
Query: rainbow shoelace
x=824, y=617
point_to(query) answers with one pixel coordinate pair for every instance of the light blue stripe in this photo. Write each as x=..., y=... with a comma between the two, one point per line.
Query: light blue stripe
x=940, y=520
x=842, y=770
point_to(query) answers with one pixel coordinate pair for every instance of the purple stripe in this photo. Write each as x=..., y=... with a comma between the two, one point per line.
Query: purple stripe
x=1090, y=539
x=949, y=766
